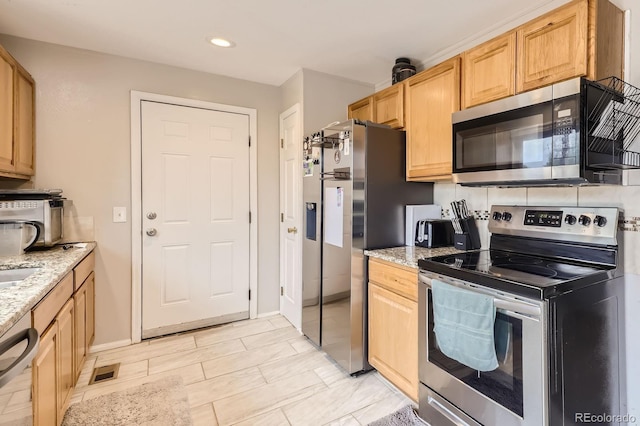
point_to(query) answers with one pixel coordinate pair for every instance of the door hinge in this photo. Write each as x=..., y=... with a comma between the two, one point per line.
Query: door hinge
x=249, y=140
x=281, y=217
x=249, y=294
x=281, y=291
x=249, y=217
x=281, y=143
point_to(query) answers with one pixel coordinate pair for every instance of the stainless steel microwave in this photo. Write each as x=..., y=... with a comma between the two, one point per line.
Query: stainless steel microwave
x=46, y=214
x=550, y=136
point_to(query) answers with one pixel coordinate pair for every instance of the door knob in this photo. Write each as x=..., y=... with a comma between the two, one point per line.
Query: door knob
x=293, y=230
x=151, y=215
x=152, y=231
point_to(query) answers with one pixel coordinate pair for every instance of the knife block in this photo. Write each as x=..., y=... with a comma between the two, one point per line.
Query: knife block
x=470, y=237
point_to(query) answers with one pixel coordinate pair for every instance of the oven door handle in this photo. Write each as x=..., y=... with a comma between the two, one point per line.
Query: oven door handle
x=519, y=316
x=517, y=309
x=446, y=412
x=25, y=358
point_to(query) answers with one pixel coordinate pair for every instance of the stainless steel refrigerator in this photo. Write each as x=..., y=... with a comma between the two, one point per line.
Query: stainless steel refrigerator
x=354, y=194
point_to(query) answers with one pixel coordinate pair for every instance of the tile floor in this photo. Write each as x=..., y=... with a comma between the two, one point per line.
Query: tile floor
x=253, y=372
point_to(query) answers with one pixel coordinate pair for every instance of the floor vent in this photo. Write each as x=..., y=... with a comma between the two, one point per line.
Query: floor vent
x=104, y=373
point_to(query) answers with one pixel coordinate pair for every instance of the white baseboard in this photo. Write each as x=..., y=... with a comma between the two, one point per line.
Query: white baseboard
x=110, y=345
x=268, y=314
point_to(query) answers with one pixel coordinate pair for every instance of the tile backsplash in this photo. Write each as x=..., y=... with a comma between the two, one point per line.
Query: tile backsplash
x=480, y=200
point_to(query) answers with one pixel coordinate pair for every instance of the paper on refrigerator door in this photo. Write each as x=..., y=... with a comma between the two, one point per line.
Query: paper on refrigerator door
x=333, y=216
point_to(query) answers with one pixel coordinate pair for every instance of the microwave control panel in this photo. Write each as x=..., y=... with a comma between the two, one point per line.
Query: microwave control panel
x=566, y=131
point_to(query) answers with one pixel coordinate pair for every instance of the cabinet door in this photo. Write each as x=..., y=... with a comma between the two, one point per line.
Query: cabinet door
x=361, y=110
x=402, y=280
x=432, y=96
x=388, y=106
x=393, y=338
x=80, y=332
x=91, y=311
x=6, y=114
x=66, y=378
x=489, y=71
x=553, y=47
x=45, y=379
x=24, y=124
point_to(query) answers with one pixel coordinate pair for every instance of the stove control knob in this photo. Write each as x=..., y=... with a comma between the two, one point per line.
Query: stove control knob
x=507, y=216
x=497, y=216
x=570, y=219
x=600, y=221
x=584, y=220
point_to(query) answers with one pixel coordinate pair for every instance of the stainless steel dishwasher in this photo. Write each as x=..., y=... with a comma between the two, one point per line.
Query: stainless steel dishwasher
x=18, y=346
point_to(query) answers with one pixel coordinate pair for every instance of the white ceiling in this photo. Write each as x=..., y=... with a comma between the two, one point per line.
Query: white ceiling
x=355, y=39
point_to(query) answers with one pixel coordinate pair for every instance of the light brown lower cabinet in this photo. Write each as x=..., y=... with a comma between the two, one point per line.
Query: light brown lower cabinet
x=53, y=369
x=393, y=324
x=45, y=379
x=90, y=329
x=69, y=319
x=80, y=332
x=66, y=376
x=84, y=302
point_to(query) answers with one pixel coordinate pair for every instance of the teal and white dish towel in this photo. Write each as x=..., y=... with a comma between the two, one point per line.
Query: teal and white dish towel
x=464, y=325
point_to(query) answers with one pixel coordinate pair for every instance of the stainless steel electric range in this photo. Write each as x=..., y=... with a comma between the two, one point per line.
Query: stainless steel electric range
x=554, y=276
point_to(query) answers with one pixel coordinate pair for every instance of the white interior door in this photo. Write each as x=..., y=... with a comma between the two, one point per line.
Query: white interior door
x=291, y=232
x=195, y=217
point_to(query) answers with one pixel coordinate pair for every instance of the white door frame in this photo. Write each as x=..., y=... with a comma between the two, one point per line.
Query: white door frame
x=298, y=110
x=136, y=198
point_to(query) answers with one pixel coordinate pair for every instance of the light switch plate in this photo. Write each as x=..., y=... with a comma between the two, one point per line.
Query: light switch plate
x=119, y=214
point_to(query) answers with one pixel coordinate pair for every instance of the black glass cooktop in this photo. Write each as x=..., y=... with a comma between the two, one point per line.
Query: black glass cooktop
x=517, y=270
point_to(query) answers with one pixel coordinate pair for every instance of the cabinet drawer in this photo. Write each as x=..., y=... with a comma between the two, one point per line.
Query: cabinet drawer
x=83, y=269
x=402, y=280
x=45, y=311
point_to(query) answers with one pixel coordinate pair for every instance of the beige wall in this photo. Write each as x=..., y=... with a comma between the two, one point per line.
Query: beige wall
x=291, y=91
x=326, y=98
x=83, y=147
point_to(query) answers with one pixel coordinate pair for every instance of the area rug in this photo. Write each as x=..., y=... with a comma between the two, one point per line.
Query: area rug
x=405, y=416
x=159, y=403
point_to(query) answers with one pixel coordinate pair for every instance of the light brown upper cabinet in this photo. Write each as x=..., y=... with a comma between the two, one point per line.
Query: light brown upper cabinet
x=431, y=97
x=24, y=123
x=384, y=107
x=362, y=109
x=489, y=71
x=583, y=38
x=16, y=119
x=388, y=106
x=6, y=112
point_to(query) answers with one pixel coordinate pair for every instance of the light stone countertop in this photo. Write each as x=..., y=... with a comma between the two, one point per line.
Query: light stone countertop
x=55, y=263
x=408, y=256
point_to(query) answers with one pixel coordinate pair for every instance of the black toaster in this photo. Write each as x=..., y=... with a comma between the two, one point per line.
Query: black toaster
x=434, y=233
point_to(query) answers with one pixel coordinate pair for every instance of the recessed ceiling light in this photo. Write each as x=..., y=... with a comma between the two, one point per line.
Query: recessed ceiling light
x=221, y=42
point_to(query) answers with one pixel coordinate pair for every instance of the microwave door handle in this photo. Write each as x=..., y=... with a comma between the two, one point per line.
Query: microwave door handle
x=36, y=235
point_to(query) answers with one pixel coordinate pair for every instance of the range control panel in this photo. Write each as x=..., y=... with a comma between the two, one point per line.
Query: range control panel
x=589, y=224
x=543, y=218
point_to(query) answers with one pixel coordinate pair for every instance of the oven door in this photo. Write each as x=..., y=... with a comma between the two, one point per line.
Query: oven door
x=513, y=394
